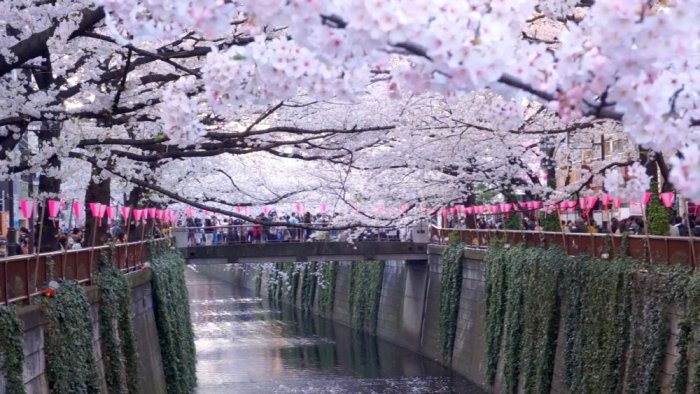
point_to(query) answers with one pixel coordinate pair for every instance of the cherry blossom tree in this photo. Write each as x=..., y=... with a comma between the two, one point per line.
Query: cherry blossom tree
x=374, y=104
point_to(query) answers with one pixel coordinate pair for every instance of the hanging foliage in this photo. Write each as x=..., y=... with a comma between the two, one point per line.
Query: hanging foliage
x=308, y=285
x=450, y=290
x=171, y=305
x=657, y=215
x=365, y=291
x=69, y=369
x=257, y=281
x=615, y=316
x=116, y=331
x=326, y=287
x=11, y=348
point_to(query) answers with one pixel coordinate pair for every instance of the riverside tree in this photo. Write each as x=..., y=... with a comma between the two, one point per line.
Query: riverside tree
x=442, y=95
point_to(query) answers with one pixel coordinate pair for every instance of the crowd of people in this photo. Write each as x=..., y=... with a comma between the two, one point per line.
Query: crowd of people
x=76, y=238
x=629, y=225
x=282, y=228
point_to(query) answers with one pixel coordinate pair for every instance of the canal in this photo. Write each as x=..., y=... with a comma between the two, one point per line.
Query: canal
x=247, y=345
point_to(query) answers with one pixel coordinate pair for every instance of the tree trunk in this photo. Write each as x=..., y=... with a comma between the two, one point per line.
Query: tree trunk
x=48, y=241
x=133, y=201
x=96, y=192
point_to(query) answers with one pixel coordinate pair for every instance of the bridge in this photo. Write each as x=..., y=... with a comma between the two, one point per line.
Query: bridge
x=305, y=251
x=383, y=246
x=236, y=244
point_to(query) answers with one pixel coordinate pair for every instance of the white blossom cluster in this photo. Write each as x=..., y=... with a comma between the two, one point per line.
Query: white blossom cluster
x=642, y=59
x=630, y=187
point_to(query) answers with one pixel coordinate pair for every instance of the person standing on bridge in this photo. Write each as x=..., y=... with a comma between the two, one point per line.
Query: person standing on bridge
x=208, y=231
x=295, y=231
x=307, y=221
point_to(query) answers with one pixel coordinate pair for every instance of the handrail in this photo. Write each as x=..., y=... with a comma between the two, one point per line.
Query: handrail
x=23, y=276
x=651, y=248
x=253, y=233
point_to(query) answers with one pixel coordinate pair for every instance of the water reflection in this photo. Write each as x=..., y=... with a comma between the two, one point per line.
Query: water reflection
x=249, y=345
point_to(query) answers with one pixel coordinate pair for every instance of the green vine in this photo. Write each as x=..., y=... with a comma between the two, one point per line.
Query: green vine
x=69, y=369
x=365, y=291
x=11, y=348
x=496, y=288
x=326, y=290
x=171, y=304
x=450, y=289
x=116, y=331
x=512, y=222
x=615, y=317
x=308, y=285
x=257, y=281
x=657, y=215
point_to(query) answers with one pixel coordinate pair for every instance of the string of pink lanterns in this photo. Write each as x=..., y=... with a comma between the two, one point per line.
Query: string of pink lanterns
x=585, y=204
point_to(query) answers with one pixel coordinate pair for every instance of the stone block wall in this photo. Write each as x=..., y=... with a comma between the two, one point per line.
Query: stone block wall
x=152, y=378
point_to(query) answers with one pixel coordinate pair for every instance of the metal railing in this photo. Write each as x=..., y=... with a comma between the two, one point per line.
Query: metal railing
x=254, y=233
x=25, y=276
x=655, y=249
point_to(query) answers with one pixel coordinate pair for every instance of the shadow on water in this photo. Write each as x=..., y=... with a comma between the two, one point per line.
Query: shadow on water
x=251, y=345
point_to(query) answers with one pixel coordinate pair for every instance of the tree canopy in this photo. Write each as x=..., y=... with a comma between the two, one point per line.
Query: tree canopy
x=367, y=105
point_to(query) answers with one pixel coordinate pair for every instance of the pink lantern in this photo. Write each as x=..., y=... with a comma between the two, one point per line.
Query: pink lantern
x=403, y=208
x=506, y=207
x=27, y=208
x=590, y=202
x=238, y=209
x=101, y=213
x=469, y=210
x=667, y=199
x=617, y=202
x=137, y=214
x=95, y=209
x=110, y=212
x=266, y=210
x=54, y=206
x=582, y=203
x=646, y=198
x=76, y=210
x=125, y=211
x=151, y=213
x=537, y=204
x=572, y=205
x=298, y=207
x=605, y=200
x=564, y=205
x=323, y=208
x=524, y=205
x=159, y=214
x=205, y=212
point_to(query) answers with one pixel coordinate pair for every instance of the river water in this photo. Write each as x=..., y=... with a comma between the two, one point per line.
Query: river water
x=247, y=345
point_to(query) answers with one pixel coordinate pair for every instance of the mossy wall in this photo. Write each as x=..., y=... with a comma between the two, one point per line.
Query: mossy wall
x=78, y=339
x=615, y=319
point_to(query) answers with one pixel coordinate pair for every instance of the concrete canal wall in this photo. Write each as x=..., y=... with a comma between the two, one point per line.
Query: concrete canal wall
x=150, y=364
x=409, y=305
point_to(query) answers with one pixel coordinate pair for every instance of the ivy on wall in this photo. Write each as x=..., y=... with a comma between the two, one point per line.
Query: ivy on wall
x=308, y=285
x=120, y=354
x=450, y=290
x=69, y=369
x=326, y=289
x=365, y=291
x=615, y=316
x=687, y=368
x=172, y=310
x=257, y=280
x=657, y=215
x=12, y=365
